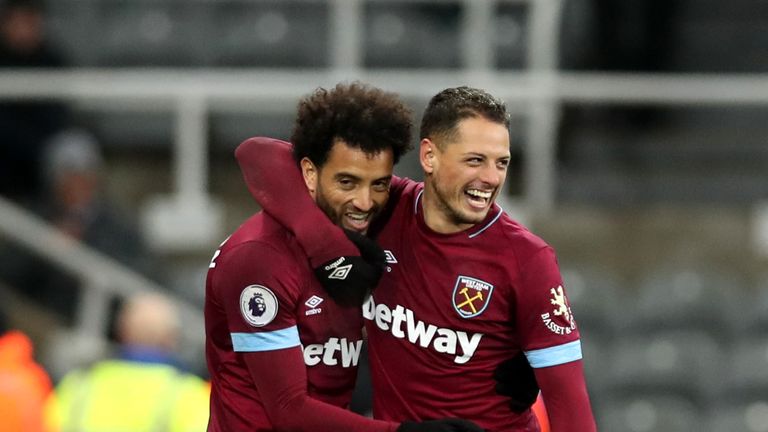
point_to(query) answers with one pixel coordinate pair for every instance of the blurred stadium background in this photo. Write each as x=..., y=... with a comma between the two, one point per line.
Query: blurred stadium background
x=639, y=142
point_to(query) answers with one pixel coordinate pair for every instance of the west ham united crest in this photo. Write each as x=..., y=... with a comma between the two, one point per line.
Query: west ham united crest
x=471, y=296
x=258, y=305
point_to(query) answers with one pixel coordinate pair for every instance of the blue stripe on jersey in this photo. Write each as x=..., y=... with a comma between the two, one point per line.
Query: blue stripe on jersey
x=555, y=355
x=266, y=341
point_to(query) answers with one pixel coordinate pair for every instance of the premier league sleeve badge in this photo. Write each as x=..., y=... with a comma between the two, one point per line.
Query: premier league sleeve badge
x=258, y=305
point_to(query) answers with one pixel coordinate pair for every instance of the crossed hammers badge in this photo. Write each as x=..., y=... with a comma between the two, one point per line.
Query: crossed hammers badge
x=471, y=296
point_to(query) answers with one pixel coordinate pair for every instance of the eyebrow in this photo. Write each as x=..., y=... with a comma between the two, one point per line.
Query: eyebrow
x=343, y=174
x=485, y=156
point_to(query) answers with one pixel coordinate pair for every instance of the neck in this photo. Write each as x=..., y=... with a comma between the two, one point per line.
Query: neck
x=437, y=215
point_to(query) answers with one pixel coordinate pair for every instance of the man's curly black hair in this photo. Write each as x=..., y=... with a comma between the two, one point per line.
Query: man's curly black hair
x=447, y=108
x=362, y=116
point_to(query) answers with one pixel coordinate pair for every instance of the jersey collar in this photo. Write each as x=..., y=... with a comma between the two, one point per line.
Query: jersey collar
x=493, y=215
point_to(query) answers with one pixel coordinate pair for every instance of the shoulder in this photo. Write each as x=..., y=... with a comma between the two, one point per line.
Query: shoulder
x=519, y=236
x=261, y=252
x=259, y=237
x=403, y=191
x=516, y=240
x=404, y=184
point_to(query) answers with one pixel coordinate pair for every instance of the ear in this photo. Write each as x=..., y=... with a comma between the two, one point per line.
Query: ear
x=310, y=174
x=427, y=156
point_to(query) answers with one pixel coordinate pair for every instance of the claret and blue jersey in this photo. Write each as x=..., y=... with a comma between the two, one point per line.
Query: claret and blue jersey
x=451, y=307
x=261, y=295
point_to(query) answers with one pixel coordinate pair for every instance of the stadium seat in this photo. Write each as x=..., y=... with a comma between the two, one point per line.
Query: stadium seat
x=751, y=416
x=131, y=130
x=706, y=31
x=405, y=35
x=146, y=33
x=596, y=358
x=650, y=414
x=596, y=296
x=270, y=34
x=684, y=299
x=230, y=129
x=71, y=27
x=682, y=363
x=753, y=318
x=511, y=38
x=746, y=377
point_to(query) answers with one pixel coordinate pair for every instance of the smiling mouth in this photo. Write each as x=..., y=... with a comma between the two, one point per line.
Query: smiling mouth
x=478, y=199
x=357, y=221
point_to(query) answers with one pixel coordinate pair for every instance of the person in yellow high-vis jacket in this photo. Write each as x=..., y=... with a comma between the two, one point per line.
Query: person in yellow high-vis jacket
x=142, y=390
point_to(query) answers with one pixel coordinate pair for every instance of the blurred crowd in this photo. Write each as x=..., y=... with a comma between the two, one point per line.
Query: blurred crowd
x=140, y=387
x=54, y=168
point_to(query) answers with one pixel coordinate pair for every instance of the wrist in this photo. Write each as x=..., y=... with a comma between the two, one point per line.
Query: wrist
x=323, y=244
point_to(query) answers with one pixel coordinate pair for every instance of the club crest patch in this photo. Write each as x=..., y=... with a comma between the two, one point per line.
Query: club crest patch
x=471, y=296
x=258, y=305
x=560, y=320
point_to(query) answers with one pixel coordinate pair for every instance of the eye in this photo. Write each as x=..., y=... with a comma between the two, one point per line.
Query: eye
x=504, y=163
x=346, y=183
x=474, y=161
x=381, y=186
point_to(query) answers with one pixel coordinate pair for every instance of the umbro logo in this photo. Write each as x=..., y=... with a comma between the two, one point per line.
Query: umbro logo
x=341, y=272
x=312, y=303
x=390, y=257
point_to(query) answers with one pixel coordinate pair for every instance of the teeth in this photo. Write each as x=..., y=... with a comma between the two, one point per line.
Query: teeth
x=357, y=216
x=480, y=194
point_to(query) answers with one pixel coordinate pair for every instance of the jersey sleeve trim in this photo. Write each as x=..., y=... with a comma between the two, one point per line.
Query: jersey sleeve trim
x=266, y=341
x=555, y=355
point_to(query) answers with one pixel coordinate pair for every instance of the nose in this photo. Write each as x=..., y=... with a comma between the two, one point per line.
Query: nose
x=363, y=200
x=490, y=175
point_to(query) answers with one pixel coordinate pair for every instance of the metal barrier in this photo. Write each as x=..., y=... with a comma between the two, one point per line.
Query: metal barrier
x=101, y=276
x=192, y=94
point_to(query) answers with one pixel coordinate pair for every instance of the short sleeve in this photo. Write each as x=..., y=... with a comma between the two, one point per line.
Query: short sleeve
x=543, y=314
x=257, y=286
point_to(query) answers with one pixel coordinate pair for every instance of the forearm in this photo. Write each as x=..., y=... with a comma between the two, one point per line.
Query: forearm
x=283, y=390
x=275, y=181
x=307, y=414
x=565, y=395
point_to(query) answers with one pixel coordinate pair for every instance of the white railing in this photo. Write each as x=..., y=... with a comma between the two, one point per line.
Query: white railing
x=192, y=94
x=101, y=277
